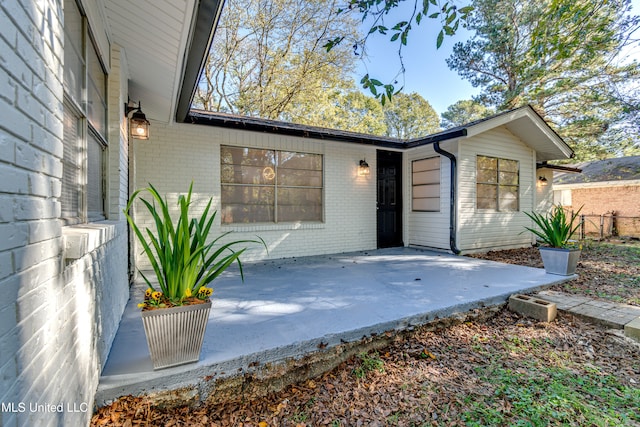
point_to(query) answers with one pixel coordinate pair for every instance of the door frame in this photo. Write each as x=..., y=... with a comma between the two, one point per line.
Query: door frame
x=384, y=158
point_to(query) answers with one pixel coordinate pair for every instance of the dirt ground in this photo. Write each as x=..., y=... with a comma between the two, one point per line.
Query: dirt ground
x=507, y=370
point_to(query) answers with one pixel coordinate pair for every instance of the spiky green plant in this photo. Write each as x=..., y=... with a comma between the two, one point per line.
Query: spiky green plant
x=179, y=253
x=556, y=228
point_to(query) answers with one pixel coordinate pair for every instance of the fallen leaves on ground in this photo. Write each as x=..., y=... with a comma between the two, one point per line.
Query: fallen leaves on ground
x=609, y=271
x=427, y=379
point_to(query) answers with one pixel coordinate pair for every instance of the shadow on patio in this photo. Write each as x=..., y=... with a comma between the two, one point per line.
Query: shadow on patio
x=287, y=309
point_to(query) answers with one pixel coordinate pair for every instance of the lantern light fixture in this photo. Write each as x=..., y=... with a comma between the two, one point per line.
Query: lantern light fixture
x=138, y=123
x=363, y=168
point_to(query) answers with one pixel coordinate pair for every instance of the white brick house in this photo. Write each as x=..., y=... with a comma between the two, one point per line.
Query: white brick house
x=68, y=164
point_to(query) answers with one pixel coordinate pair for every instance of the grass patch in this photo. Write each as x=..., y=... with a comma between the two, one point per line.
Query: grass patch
x=368, y=362
x=538, y=395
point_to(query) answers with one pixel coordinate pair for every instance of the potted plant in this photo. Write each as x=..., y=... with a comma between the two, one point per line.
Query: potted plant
x=185, y=260
x=555, y=229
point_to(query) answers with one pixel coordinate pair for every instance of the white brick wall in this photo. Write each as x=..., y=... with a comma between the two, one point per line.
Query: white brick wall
x=179, y=153
x=57, y=318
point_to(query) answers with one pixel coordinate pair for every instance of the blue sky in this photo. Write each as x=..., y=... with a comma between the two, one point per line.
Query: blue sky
x=426, y=70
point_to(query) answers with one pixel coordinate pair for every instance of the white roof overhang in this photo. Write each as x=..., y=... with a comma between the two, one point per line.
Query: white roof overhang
x=165, y=44
x=531, y=129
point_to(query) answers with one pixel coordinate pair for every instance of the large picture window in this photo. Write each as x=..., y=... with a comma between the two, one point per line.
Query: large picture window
x=497, y=184
x=425, y=184
x=260, y=186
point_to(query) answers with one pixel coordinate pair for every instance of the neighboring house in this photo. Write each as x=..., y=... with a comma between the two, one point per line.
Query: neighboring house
x=68, y=165
x=609, y=188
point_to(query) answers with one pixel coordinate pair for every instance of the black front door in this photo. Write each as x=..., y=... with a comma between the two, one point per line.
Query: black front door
x=389, y=180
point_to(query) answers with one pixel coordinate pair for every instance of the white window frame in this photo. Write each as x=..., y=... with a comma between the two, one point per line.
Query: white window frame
x=94, y=209
x=275, y=185
x=498, y=184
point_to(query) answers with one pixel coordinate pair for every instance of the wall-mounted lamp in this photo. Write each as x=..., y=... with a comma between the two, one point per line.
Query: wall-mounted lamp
x=363, y=169
x=138, y=123
x=542, y=180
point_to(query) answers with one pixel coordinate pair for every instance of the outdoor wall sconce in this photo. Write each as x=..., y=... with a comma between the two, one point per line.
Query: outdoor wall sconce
x=363, y=169
x=138, y=123
x=542, y=180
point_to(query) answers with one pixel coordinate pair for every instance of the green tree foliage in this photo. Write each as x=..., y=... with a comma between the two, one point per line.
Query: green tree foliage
x=268, y=56
x=562, y=57
x=374, y=14
x=410, y=116
x=463, y=112
x=348, y=109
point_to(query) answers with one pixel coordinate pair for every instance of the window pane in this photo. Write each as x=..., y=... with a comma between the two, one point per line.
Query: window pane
x=70, y=196
x=95, y=178
x=299, y=169
x=426, y=205
x=299, y=178
x=247, y=166
x=420, y=191
x=426, y=177
x=96, y=93
x=239, y=174
x=73, y=52
x=487, y=176
x=508, y=178
x=430, y=164
x=509, y=165
x=299, y=204
x=487, y=196
x=304, y=161
x=487, y=163
x=508, y=198
x=247, y=156
x=247, y=204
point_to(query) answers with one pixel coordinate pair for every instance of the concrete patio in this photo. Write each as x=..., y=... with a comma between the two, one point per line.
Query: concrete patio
x=287, y=309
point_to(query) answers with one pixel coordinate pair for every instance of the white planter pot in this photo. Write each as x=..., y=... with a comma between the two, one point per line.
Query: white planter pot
x=175, y=335
x=560, y=261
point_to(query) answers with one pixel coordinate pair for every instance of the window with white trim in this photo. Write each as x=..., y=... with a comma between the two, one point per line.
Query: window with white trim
x=263, y=186
x=497, y=184
x=425, y=185
x=84, y=122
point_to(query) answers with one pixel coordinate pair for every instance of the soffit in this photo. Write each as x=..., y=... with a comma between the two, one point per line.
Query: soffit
x=153, y=34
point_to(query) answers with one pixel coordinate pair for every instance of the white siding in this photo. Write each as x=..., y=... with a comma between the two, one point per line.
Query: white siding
x=179, y=153
x=482, y=230
x=429, y=229
x=544, y=191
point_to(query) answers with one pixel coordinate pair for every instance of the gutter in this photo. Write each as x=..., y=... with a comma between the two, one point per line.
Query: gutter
x=452, y=196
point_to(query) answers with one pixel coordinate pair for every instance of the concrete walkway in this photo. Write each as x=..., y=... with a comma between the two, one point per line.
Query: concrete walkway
x=609, y=314
x=287, y=309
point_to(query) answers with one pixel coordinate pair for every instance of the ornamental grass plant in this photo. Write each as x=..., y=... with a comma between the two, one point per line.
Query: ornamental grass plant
x=183, y=256
x=555, y=228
